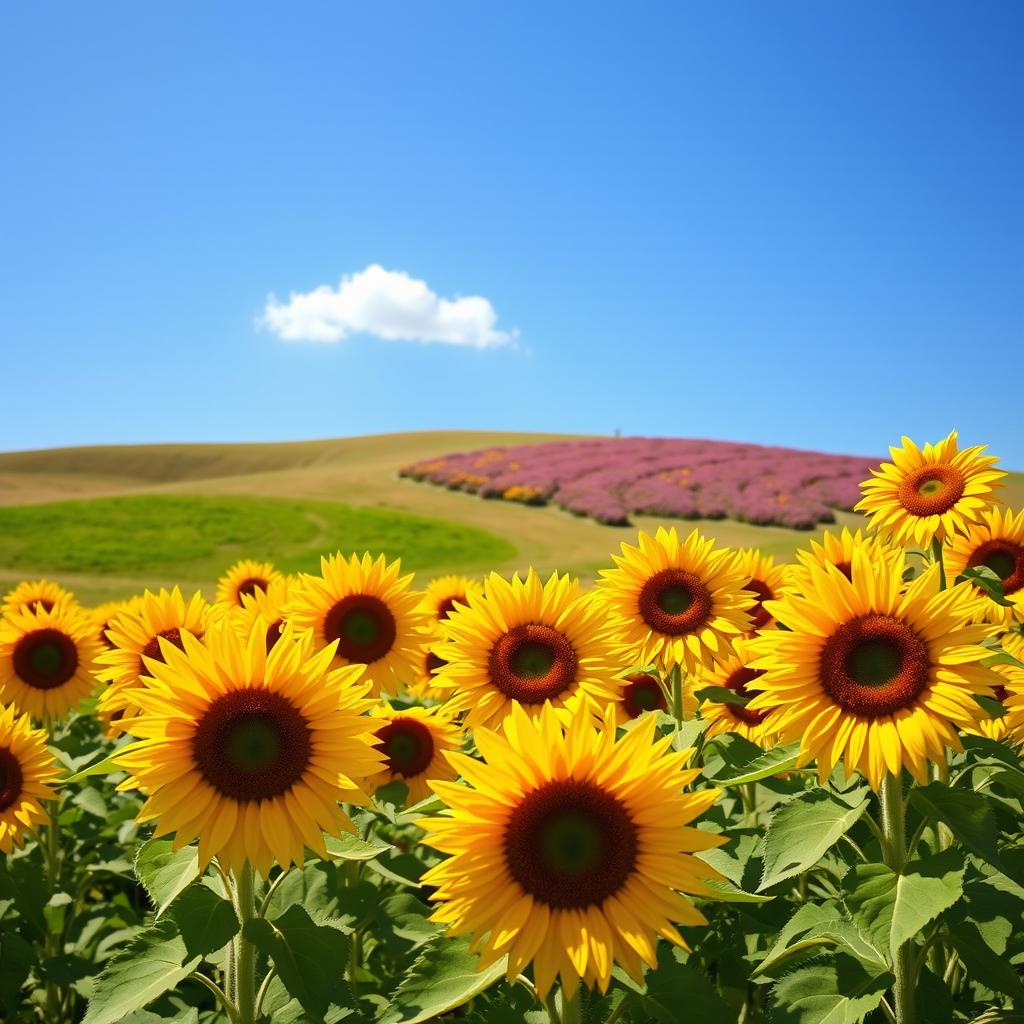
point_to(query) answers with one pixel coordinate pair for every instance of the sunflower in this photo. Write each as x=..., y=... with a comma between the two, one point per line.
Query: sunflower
x=265, y=610
x=248, y=751
x=1010, y=693
x=104, y=614
x=836, y=549
x=414, y=741
x=526, y=642
x=570, y=847
x=934, y=492
x=144, y=630
x=26, y=768
x=245, y=578
x=997, y=542
x=47, y=659
x=368, y=608
x=734, y=674
x=36, y=592
x=641, y=692
x=766, y=579
x=443, y=595
x=681, y=602
x=873, y=671
x=421, y=686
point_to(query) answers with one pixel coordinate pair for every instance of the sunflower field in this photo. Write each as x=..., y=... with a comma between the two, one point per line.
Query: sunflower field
x=709, y=788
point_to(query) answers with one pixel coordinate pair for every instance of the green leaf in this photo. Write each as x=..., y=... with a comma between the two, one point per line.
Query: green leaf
x=164, y=874
x=17, y=957
x=990, y=705
x=105, y=767
x=971, y=819
x=205, y=920
x=409, y=919
x=310, y=958
x=983, y=964
x=726, y=892
x=720, y=695
x=91, y=801
x=443, y=977
x=802, y=830
x=680, y=994
x=350, y=847
x=987, y=580
x=154, y=962
x=841, y=992
x=771, y=762
x=891, y=908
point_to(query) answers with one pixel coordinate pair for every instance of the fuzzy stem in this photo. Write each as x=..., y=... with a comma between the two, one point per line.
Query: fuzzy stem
x=678, y=708
x=938, y=560
x=570, y=1006
x=894, y=853
x=245, y=958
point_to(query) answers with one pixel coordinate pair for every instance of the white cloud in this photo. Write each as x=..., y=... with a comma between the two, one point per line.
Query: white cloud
x=389, y=304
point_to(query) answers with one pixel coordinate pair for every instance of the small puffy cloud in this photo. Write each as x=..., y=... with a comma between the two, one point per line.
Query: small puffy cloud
x=388, y=304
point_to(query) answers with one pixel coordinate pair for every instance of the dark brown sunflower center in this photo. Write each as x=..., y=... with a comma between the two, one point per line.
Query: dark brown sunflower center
x=252, y=744
x=1005, y=558
x=999, y=692
x=875, y=665
x=274, y=634
x=447, y=606
x=931, y=490
x=533, y=663
x=10, y=779
x=152, y=648
x=433, y=664
x=737, y=682
x=846, y=569
x=759, y=615
x=363, y=626
x=675, y=602
x=45, y=658
x=642, y=692
x=570, y=844
x=249, y=586
x=408, y=746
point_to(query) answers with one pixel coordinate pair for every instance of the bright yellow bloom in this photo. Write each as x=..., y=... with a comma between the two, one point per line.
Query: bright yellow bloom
x=414, y=741
x=526, y=642
x=570, y=847
x=248, y=751
x=680, y=602
x=735, y=674
x=931, y=492
x=265, y=610
x=368, y=608
x=1009, y=693
x=836, y=549
x=26, y=766
x=245, y=578
x=444, y=594
x=143, y=630
x=766, y=579
x=998, y=543
x=47, y=659
x=873, y=671
x=36, y=592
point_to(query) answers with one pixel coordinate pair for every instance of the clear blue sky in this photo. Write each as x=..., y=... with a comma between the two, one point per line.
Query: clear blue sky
x=788, y=222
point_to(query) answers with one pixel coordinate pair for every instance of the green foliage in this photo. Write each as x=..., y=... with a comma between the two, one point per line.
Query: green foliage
x=196, y=537
x=844, y=991
x=166, y=873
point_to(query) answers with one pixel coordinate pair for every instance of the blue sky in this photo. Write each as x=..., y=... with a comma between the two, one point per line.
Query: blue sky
x=794, y=223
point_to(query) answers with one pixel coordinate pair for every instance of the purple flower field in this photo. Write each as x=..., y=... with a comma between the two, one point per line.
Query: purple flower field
x=608, y=479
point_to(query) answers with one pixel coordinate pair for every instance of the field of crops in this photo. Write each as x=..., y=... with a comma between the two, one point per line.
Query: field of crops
x=713, y=786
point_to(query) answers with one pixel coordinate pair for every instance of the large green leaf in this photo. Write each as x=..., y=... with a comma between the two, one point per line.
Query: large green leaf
x=771, y=762
x=310, y=958
x=164, y=874
x=891, y=908
x=443, y=977
x=971, y=819
x=154, y=962
x=802, y=830
x=17, y=957
x=350, y=847
x=206, y=921
x=680, y=994
x=841, y=992
x=984, y=964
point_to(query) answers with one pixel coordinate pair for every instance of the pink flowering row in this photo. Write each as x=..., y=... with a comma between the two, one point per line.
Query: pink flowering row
x=608, y=479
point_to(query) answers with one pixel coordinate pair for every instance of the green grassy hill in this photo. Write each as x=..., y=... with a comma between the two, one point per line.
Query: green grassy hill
x=158, y=514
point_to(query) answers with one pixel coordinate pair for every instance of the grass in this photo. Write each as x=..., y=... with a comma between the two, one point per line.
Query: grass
x=195, y=537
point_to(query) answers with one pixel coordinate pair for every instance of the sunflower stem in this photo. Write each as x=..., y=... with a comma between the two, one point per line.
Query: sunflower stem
x=570, y=1006
x=54, y=941
x=938, y=560
x=894, y=853
x=245, y=960
x=678, y=707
